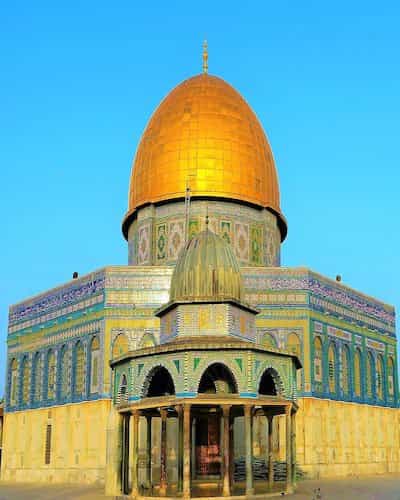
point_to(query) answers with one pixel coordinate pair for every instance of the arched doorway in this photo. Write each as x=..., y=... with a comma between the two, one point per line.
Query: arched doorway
x=216, y=380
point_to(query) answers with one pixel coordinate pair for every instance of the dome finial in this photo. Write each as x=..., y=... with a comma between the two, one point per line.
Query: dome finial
x=205, y=57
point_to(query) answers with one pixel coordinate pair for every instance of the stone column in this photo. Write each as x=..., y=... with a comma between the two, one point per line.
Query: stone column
x=289, y=484
x=113, y=486
x=125, y=454
x=270, y=452
x=163, y=458
x=179, y=411
x=293, y=425
x=148, y=452
x=226, y=488
x=135, y=452
x=232, y=449
x=248, y=430
x=186, y=451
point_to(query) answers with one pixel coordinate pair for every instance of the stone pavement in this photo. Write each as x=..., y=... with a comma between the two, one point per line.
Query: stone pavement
x=368, y=488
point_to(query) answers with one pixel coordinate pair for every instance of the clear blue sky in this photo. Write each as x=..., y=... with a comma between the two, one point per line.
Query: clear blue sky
x=79, y=82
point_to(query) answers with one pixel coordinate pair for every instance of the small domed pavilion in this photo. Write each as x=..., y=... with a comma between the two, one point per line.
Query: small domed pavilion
x=207, y=373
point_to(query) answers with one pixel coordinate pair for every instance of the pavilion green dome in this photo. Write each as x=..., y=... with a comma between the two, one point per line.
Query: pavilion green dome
x=206, y=271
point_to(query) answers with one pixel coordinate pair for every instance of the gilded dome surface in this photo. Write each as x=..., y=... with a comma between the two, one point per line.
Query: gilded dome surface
x=205, y=135
x=207, y=270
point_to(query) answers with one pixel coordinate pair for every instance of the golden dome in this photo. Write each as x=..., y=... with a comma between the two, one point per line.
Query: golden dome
x=204, y=134
x=206, y=270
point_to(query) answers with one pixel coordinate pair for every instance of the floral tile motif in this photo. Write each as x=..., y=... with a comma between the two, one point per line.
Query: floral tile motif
x=144, y=245
x=242, y=242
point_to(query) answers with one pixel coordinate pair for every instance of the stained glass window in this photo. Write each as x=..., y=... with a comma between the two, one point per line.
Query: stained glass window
x=391, y=376
x=14, y=382
x=65, y=372
x=51, y=375
x=370, y=371
x=37, y=382
x=79, y=369
x=25, y=381
x=357, y=372
x=332, y=368
x=317, y=359
x=345, y=370
x=379, y=377
x=94, y=364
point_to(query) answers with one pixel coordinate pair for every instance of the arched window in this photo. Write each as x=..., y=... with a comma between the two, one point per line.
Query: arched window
x=345, y=370
x=65, y=373
x=370, y=371
x=318, y=359
x=390, y=376
x=120, y=346
x=25, y=380
x=357, y=372
x=13, y=382
x=94, y=365
x=122, y=395
x=293, y=345
x=332, y=368
x=268, y=340
x=380, y=377
x=79, y=369
x=37, y=377
x=51, y=375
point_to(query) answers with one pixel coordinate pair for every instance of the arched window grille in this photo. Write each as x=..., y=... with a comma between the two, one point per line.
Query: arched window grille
x=94, y=365
x=51, y=375
x=357, y=372
x=79, y=369
x=332, y=368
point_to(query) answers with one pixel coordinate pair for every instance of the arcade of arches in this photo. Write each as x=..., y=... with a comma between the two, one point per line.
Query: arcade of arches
x=168, y=446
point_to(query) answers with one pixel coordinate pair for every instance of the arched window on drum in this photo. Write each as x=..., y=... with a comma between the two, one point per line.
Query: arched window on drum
x=94, y=365
x=293, y=346
x=380, y=378
x=346, y=375
x=391, y=377
x=357, y=372
x=13, y=382
x=65, y=373
x=318, y=373
x=332, y=368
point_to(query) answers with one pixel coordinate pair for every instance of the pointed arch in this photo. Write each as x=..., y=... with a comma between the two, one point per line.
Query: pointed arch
x=268, y=340
x=217, y=378
x=158, y=382
x=147, y=340
x=120, y=345
x=122, y=393
x=293, y=345
x=357, y=372
x=270, y=383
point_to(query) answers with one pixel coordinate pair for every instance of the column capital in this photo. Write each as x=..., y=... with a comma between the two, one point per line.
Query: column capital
x=248, y=409
x=164, y=412
x=288, y=408
x=226, y=410
x=135, y=412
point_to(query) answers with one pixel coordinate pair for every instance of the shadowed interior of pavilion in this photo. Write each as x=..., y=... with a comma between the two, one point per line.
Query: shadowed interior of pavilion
x=202, y=461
